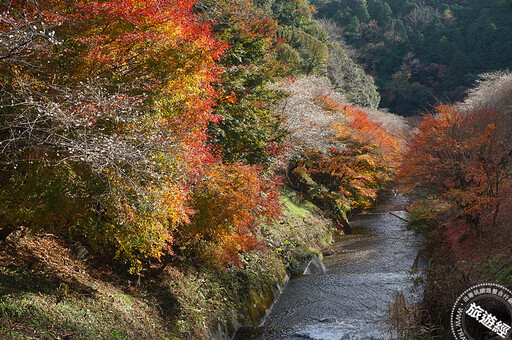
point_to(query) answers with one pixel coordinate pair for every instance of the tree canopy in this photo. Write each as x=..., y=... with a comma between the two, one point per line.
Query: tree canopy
x=423, y=53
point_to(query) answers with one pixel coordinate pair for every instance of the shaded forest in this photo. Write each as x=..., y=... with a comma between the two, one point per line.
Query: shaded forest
x=422, y=53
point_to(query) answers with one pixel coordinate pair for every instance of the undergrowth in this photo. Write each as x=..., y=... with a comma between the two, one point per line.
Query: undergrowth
x=459, y=259
x=46, y=292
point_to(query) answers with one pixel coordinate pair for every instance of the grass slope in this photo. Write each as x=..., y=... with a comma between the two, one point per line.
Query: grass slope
x=50, y=289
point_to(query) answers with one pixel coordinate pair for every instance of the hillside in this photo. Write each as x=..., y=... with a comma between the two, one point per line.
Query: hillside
x=52, y=288
x=458, y=170
x=424, y=52
x=166, y=166
x=154, y=178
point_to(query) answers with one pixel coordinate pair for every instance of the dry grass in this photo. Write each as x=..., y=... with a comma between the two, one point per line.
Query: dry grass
x=47, y=293
x=404, y=319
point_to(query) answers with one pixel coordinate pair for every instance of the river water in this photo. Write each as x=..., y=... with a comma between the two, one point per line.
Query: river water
x=350, y=301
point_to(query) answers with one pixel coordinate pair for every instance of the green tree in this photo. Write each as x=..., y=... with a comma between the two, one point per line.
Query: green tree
x=361, y=12
x=350, y=79
x=249, y=130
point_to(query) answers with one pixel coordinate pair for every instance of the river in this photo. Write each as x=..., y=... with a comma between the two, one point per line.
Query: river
x=349, y=301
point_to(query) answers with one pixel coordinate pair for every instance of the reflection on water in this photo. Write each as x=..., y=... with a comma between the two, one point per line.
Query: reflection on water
x=349, y=301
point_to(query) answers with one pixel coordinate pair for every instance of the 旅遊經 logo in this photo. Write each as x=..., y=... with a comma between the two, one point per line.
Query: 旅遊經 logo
x=483, y=311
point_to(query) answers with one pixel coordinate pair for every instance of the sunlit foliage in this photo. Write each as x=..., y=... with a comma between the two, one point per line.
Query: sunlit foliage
x=339, y=156
x=142, y=128
x=229, y=204
x=249, y=130
x=104, y=125
x=463, y=155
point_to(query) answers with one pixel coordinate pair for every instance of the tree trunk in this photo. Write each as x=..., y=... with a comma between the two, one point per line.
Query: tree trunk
x=347, y=229
x=6, y=231
x=495, y=216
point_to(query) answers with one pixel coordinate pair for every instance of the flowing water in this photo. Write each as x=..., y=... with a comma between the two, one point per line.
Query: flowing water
x=350, y=301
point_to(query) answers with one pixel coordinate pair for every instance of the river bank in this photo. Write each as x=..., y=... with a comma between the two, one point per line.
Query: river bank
x=51, y=289
x=459, y=259
x=364, y=271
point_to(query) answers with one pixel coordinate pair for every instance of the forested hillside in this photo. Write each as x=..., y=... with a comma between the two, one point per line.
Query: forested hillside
x=424, y=52
x=458, y=169
x=165, y=165
x=153, y=162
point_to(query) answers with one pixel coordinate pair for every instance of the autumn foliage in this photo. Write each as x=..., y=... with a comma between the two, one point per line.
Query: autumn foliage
x=249, y=130
x=104, y=130
x=463, y=158
x=458, y=169
x=339, y=155
x=358, y=171
x=229, y=205
x=144, y=129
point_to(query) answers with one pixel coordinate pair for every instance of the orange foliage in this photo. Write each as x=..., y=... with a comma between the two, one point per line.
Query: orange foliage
x=464, y=158
x=228, y=205
x=360, y=170
x=360, y=130
x=164, y=45
x=121, y=96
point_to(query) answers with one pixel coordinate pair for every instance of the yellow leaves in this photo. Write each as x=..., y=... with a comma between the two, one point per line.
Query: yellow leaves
x=230, y=98
x=229, y=203
x=170, y=30
x=366, y=160
x=172, y=203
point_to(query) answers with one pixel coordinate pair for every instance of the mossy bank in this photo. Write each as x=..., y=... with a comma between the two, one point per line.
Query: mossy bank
x=50, y=289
